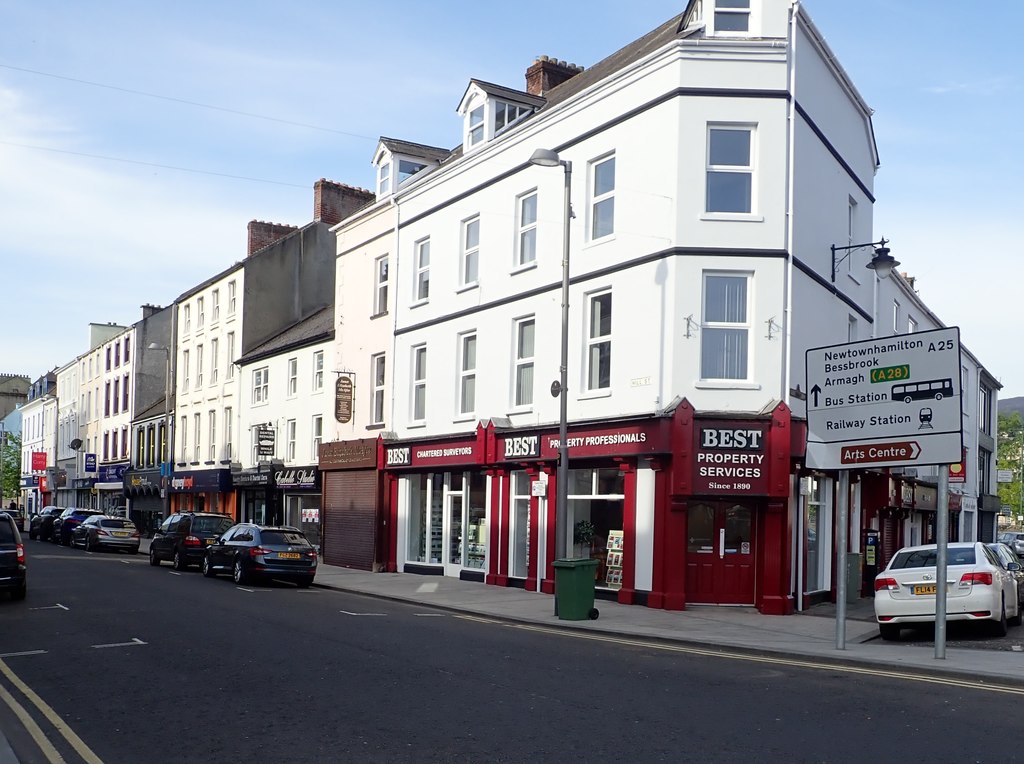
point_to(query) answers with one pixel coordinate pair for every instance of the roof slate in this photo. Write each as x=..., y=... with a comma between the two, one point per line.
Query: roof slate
x=317, y=327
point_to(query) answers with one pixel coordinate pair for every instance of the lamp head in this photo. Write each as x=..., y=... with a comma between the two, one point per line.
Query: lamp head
x=545, y=158
x=883, y=263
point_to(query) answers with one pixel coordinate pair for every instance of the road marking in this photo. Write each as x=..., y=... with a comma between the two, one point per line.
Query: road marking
x=477, y=619
x=346, y=612
x=135, y=641
x=50, y=607
x=30, y=725
x=795, y=662
x=26, y=652
x=69, y=734
x=174, y=573
x=429, y=615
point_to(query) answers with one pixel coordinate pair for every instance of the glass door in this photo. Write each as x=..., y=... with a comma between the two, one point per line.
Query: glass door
x=720, y=553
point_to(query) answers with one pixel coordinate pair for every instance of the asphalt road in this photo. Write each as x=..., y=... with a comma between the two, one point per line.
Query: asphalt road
x=147, y=665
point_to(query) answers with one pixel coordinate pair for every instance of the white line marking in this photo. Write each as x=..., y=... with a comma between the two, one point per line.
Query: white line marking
x=243, y=589
x=346, y=612
x=135, y=641
x=126, y=562
x=26, y=652
x=58, y=606
x=62, y=606
x=429, y=615
x=173, y=573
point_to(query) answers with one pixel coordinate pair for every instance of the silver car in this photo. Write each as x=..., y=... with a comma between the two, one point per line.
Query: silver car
x=1014, y=540
x=102, y=531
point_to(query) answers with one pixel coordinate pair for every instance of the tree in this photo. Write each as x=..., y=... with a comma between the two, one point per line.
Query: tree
x=10, y=462
x=1010, y=456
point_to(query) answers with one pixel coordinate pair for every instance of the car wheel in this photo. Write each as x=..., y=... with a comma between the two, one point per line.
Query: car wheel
x=999, y=627
x=208, y=570
x=178, y=563
x=890, y=632
x=238, y=573
x=153, y=558
x=20, y=592
x=88, y=545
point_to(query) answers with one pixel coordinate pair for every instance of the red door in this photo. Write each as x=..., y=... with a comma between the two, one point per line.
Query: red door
x=720, y=553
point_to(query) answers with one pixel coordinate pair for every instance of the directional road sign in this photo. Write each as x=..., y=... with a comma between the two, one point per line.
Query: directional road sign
x=887, y=402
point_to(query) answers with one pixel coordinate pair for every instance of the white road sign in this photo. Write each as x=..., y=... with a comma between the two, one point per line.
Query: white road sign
x=887, y=402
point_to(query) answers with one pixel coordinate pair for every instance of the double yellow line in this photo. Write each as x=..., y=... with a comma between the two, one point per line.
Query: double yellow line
x=47, y=748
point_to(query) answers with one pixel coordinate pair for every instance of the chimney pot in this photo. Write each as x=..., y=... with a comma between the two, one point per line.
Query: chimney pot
x=546, y=73
x=333, y=202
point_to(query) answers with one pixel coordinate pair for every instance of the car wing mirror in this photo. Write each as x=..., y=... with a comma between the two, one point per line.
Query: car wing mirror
x=1013, y=567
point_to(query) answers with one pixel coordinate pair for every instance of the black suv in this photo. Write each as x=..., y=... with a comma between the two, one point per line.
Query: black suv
x=182, y=538
x=12, y=558
x=41, y=524
x=65, y=525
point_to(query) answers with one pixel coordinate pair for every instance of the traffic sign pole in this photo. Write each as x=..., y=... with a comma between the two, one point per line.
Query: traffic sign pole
x=941, y=558
x=841, y=562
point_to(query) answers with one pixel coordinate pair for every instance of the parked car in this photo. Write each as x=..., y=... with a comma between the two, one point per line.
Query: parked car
x=1013, y=566
x=12, y=559
x=250, y=551
x=41, y=525
x=183, y=537
x=16, y=513
x=1014, y=540
x=978, y=588
x=99, y=531
x=69, y=519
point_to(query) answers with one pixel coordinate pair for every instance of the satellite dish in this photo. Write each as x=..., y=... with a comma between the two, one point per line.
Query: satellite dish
x=76, y=444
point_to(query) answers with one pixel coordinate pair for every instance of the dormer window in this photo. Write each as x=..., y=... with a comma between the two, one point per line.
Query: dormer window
x=732, y=16
x=407, y=169
x=476, y=125
x=384, y=179
x=397, y=161
x=507, y=114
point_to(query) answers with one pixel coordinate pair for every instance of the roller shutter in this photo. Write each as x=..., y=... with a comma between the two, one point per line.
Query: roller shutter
x=350, y=518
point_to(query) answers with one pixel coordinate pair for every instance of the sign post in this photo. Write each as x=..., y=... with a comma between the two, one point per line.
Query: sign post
x=887, y=402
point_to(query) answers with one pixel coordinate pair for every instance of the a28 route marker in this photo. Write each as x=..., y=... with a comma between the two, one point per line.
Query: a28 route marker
x=886, y=402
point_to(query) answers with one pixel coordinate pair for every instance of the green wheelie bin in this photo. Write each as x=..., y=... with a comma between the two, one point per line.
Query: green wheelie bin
x=574, y=590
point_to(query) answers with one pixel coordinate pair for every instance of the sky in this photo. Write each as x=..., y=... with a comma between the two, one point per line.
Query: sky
x=137, y=140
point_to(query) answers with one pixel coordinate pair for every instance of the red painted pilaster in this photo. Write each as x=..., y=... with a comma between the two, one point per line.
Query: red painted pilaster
x=675, y=556
x=656, y=599
x=390, y=510
x=627, y=593
x=775, y=597
x=547, y=585
x=497, y=544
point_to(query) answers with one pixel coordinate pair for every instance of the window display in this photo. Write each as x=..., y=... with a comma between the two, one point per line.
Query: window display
x=596, y=500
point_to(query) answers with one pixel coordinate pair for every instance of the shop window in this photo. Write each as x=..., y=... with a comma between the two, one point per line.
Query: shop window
x=519, y=541
x=817, y=535
x=426, y=518
x=595, y=517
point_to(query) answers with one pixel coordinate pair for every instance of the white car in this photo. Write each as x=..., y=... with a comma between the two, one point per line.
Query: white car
x=978, y=588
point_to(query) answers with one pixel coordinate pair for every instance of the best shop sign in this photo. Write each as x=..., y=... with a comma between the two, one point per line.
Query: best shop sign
x=731, y=459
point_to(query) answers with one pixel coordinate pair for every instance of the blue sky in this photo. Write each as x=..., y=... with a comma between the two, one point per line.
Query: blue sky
x=87, y=237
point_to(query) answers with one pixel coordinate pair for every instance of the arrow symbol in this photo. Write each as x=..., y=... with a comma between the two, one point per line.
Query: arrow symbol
x=815, y=391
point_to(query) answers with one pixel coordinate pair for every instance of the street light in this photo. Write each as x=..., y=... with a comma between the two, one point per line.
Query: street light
x=548, y=158
x=167, y=455
x=882, y=263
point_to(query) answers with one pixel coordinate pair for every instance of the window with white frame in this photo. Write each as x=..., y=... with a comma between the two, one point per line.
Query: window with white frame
x=419, y=383
x=196, y=451
x=377, y=371
x=475, y=125
x=231, y=298
x=467, y=373
x=730, y=169
x=380, y=285
x=317, y=428
x=290, y=432
x=895, y=316
x=186, y=324
x=214, y=360
x=470, y=250
x=408, y=168
x=851, y=329
x=911, y=325
x=851, y=231
x=384, y=179
x=599, y=341
x=725, y=327
x=507, y=114
x=421, y=288
x=732, y=16
x=200, y=312
x=212, y=428
x=524, y=339
x=184, y=370
x=260, y=384
x=230, y=374
x=227, y=434
x=526, y=219
x=602, y=197
x=318, y=370
x=215, y=306
x=199, y=366
x=293, y=377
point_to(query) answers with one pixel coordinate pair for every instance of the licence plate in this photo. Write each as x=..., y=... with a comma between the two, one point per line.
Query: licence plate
x=924, y=589
x=209, y=541
x=289, y=555
x=120, y=533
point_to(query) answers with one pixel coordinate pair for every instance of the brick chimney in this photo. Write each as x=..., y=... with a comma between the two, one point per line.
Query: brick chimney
x=264, y=234
x=545, y=73
x=333, y=202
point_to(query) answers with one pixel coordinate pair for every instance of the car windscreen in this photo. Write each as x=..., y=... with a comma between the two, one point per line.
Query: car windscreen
x=6, y=531
x=282, y=538
x=925, y=558
x=115, y=523
x=215, y=525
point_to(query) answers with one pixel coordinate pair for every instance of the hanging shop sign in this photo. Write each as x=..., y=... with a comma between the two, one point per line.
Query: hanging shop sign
x=343, y=399
x=90, y=463
x=730, y=458
x=38, y=461
x=265, y=440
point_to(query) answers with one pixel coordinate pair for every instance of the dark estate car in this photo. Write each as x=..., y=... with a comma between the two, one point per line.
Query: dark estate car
x=1014, y=540
x=1011, y=562
x=12, y=559
x=254, y=551
x=41, y=525
x=65, y=525
x=183, y=537
x=16, y=513
x=103, y=531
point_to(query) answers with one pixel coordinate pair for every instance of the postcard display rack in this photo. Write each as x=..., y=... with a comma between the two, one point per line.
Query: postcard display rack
x=613, y=563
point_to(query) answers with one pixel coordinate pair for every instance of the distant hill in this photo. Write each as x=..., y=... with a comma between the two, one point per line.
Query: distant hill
x=1010, y=405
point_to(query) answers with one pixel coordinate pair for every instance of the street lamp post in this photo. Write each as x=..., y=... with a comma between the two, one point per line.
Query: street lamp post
x=165, y=466
x=548, y=158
